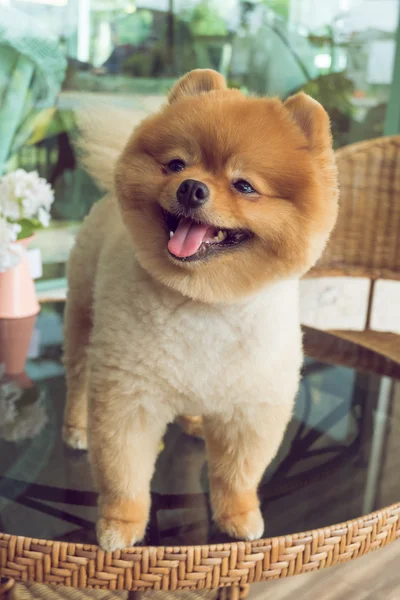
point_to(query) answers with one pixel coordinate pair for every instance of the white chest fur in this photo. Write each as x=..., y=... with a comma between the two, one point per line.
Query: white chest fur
x=206, y=358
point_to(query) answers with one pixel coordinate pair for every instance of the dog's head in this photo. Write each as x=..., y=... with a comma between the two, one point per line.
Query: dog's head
x=223, y=193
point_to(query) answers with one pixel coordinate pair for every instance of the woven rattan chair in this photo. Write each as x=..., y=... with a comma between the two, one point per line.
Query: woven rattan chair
x=366, y=240
x=365, y=243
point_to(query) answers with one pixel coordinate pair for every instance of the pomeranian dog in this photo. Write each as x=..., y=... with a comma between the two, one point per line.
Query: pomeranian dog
x=183, y=292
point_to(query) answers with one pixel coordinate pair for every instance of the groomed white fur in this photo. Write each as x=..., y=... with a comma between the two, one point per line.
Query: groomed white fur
x=154, y=355
x=172, y=332
x=199, y=357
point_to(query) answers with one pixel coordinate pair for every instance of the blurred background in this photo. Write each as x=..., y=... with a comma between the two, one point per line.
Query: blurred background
x=56, y=55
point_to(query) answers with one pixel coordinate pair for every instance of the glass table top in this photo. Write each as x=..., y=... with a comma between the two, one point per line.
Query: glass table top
x=339, y=458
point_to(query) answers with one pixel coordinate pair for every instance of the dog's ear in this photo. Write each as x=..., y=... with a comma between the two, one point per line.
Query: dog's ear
x=197, y=82
x=312, y=119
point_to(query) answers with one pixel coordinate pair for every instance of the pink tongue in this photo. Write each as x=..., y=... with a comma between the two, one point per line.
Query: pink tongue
x=187, y=238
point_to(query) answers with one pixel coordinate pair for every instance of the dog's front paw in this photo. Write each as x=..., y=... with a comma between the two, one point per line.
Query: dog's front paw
x=122, y=522
x=113, y=534
x=245, y=526
x=75, y=437
x=237, y=513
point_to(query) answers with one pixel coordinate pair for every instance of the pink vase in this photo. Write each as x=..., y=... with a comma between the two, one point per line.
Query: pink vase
x=15, y=338
x=17, y=290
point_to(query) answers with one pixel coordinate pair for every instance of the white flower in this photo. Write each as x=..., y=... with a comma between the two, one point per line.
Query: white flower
x=9, y=394
x=18, y=421
x=22, y=422
x=43, y=216
x=23, y=195
x=9, y=208
x=10, y=254
x=8, y=232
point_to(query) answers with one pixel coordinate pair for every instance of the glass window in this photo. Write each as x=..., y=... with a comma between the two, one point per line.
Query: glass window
x=129, y=52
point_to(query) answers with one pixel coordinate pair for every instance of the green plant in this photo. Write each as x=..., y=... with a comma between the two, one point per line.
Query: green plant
x=334, y=92
x=205, y=20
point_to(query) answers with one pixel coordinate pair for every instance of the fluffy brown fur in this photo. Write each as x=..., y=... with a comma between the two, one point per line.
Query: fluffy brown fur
x=283, y=149
x=150, y=337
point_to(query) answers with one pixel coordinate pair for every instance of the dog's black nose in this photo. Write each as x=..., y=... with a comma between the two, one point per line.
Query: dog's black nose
x=192, y=194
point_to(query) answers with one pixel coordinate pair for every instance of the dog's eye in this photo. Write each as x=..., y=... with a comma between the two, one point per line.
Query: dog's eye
x=176, y=165
x=244, y=187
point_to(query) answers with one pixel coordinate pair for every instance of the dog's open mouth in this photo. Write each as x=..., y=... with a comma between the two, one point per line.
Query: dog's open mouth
x=192, y=240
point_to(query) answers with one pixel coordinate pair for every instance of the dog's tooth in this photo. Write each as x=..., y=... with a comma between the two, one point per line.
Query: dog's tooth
x=221, y=235
x=171, y=233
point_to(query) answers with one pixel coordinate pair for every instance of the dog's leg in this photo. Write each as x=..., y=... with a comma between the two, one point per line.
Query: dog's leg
x=191, y=425
x=124, y=441
x=77, y=331
x=239, y=450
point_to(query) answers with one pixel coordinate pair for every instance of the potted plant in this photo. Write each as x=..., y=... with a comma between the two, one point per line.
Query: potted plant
x=25, y=202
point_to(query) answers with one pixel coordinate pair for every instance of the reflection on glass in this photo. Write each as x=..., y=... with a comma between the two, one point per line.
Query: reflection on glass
x=338, y=459
x=22, y=411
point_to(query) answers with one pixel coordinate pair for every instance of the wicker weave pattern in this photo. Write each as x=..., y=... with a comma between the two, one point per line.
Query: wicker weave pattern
x=366, y=240
x=201, y=567
x=366, y=243
x=356, y=349
x=39, y=591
